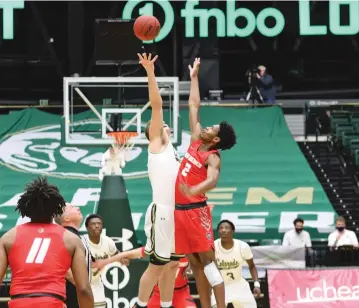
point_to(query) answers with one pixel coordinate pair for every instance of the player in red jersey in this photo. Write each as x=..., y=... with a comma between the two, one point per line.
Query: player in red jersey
x=181, y=295
x=199, y=173
x=40, y=253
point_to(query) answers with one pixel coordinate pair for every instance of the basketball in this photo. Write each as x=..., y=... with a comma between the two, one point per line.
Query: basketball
x=146, y=28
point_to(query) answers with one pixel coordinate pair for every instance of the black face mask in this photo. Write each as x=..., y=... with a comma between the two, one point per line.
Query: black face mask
x=298, y=230
x=340, y=229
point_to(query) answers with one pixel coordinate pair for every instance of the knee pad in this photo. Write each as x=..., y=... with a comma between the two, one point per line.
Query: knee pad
x=213, y=275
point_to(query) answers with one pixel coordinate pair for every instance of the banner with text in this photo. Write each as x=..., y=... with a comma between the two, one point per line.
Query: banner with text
x=266, y=257
x=324, y=288
x=265, y=181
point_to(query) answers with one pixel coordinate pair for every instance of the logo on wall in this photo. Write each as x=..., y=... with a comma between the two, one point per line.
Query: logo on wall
x=39, y=151
x=116, y=278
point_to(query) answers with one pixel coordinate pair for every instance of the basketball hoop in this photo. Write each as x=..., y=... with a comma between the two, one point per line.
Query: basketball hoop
x=122, y=139
x=121, y=144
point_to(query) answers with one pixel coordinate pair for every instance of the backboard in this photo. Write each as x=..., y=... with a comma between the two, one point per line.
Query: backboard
x=94, y=106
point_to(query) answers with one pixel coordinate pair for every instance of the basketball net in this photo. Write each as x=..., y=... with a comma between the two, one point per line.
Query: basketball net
x=122, y=145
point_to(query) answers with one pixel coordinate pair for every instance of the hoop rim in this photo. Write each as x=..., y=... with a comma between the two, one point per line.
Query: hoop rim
x=122, y=137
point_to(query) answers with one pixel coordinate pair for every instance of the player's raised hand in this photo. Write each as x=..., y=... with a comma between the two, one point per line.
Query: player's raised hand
x=147, y=61
x=193, y=70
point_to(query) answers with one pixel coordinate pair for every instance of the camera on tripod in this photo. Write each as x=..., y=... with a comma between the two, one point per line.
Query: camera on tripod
x=252, y=73
x=254, y=92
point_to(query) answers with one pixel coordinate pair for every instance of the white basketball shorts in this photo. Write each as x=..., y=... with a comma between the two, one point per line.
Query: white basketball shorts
x=98, y=291
x=159, y=229
x=239, y=294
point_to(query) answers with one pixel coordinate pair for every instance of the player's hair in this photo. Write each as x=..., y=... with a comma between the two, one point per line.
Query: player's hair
x=41, y=201
x=227, y=136
x=298, y=220
x=87, y=221
x=147, y=130
x=228, y=222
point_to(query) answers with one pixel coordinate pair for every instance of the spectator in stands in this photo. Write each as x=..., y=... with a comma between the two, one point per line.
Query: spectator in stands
x=341, y=236
x=264, y=83
x=297, y=237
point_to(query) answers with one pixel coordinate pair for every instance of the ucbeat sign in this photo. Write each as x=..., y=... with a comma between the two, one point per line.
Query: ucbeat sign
x=226, y=20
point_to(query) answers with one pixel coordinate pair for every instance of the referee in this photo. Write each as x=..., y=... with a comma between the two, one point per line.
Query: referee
x=71, y=220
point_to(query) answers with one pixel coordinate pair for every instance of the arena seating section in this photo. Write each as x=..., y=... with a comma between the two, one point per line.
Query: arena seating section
x=336, y=164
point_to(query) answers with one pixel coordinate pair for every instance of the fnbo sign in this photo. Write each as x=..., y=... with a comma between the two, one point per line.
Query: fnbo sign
x=225, y=20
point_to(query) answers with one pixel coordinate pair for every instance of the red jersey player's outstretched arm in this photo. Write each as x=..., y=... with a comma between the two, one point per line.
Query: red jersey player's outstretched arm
x=194, y=100
x=213, y=167
x=155, y=129
x=79, y=270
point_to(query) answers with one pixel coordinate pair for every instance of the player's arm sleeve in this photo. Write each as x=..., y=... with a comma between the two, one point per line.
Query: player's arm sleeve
x=246, y=252
x=80, y=274
x=3, y=260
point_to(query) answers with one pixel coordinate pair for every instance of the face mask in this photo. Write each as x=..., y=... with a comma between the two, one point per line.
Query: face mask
x=298, y=230
x=340, y=229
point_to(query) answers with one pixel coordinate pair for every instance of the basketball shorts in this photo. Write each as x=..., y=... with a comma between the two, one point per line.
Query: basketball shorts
x=239, y=294
x=181, y=299
x=98, y=291
x=193, y=228
x=159, y=229
x=36, y=302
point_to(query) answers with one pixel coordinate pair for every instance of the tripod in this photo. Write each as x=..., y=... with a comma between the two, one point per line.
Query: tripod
x=255, y=94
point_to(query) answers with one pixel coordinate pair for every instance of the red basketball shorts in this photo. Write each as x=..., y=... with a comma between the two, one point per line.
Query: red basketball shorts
x=193, y=230
x=36, y=302
x=181, y=299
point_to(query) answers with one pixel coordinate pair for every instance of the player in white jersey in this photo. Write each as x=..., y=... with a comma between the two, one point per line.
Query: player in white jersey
x=163, y=165
x=231, y=254
x=101, y=247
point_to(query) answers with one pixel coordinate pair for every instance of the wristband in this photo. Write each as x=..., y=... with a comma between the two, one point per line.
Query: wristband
x=257, y=284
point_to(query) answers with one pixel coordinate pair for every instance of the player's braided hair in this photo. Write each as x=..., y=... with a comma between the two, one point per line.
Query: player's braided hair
x=227, y=135
x=41, y=201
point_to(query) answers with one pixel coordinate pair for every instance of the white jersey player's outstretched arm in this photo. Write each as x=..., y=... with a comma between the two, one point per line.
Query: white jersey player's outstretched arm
x=194, y=100
x=121, y=257
x=155, y=129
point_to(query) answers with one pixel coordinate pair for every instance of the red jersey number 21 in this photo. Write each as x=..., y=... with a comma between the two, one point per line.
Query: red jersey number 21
x=38, y=250
x=186, y=169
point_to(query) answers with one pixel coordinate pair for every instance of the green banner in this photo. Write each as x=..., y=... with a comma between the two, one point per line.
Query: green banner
x=265, y=181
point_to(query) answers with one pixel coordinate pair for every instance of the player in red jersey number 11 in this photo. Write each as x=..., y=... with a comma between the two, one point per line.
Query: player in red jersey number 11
x=198, y=174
